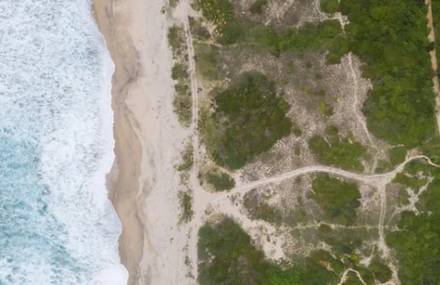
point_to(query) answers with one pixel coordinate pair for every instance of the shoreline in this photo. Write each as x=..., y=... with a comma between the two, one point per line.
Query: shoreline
x=143, y=182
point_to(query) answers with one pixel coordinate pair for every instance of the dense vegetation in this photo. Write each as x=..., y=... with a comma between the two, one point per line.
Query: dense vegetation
x=324, y=36
x=390, y=37
x=329, y=6
x=338, y=199
x=338, y=151
x=380, y=270
x=417, y=239
x=248, y=119
x=227, y=256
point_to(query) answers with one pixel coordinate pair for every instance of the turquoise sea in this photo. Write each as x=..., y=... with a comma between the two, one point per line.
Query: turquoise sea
x=56, y=224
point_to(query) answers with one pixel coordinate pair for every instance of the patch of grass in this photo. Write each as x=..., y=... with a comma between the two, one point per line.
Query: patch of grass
x=258, y=6
x=185, y=200
x=380, y=270
x=397, y=155
x=179, y=71
x=221, y=13
x=325, y=109
x=338, y=199
x=198, y=30
x=221, y=181
x=182, y=100
x=329, y=6
x=183, y=103
x=248, y=119
x=390, y=37
x=342, y=242
x=335, y=150
x=187, y=159
x=260, y=210
x=208, y=60
x=176, y=39
x=227, y=256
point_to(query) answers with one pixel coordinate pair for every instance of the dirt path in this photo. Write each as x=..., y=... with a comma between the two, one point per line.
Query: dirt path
x=374, y=180
x=434, y=60
x=200, y=197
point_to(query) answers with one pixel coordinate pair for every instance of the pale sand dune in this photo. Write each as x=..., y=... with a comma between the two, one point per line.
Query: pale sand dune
x=148, y=139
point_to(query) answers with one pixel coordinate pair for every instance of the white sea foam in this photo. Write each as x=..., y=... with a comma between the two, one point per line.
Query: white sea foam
x=56, y=145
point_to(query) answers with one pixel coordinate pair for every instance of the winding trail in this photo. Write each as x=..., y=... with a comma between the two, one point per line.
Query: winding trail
x=375, y=180
x=344, y=277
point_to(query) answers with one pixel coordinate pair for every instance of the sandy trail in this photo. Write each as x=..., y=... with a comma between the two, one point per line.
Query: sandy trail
x=374, y=180
x=434, y=60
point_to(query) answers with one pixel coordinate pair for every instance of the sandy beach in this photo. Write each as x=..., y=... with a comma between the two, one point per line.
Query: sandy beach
x=143, y=183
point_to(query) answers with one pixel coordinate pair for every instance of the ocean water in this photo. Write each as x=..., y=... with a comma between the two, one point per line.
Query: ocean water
x=56, y=224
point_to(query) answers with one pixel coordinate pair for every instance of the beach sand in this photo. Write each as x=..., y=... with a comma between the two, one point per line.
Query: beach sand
x=143, y=183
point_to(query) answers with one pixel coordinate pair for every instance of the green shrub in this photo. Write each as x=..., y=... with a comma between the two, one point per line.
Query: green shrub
x=220, y=181
x=337, y=151
x=198, y=30
x=176, y=39
x=248, y=119
x=221, y=13
x=179, y=72
x=338, y=199
x=258, y=6
x=329, y=6
x=380, y=270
